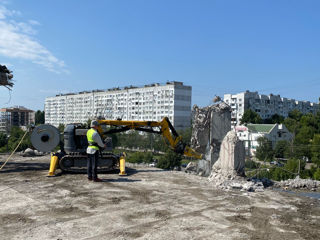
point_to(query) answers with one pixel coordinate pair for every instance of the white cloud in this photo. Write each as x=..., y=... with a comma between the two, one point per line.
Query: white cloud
x=2, y=12
x=17, y=41
x=34, y=22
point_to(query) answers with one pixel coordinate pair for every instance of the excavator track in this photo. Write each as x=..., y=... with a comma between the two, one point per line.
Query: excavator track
x=77, y=162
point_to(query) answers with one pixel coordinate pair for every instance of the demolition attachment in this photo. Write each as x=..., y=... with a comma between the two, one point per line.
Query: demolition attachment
x=45, y=137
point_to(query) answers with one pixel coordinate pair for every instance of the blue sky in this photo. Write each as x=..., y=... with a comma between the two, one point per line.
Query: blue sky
x=216, y=47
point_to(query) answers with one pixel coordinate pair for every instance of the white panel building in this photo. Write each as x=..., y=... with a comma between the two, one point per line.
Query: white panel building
x=265, y=105
x=152, y=103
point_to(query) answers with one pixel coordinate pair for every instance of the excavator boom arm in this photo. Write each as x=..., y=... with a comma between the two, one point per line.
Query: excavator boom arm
x=165, y=129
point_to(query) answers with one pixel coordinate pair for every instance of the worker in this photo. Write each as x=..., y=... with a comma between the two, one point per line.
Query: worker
x=94, y=141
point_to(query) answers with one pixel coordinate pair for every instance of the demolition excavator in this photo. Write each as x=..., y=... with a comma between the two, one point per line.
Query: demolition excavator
x=72, y=156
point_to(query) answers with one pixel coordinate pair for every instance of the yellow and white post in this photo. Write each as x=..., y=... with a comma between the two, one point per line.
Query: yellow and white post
x=122, y=165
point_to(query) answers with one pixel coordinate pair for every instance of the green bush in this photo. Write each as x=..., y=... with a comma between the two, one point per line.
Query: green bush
x=316, y=175
x=278, y=174
x=264, y=150
x=251, y=164
x=3, y=139
x=140, y=157
x=169, y=160
x=16, y=134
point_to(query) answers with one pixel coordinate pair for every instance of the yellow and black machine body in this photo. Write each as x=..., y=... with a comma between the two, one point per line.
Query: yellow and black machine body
x=72, y=156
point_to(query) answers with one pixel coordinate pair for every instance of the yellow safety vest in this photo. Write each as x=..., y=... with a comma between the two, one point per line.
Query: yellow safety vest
x=90, y=139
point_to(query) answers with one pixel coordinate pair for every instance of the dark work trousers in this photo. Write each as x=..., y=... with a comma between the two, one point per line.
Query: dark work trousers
x=92, y=165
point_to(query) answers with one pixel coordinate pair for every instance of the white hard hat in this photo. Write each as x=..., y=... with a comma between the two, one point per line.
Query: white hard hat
x=94, y=123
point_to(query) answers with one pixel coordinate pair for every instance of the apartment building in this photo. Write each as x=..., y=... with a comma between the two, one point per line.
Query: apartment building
x=15, y=116
x=151, y=102
x=265, y=105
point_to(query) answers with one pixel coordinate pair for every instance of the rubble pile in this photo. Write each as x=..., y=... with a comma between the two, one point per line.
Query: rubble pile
x=224, y=161
x=228, y=172
x=298, y=183
x=224, y=153
x=240, y=183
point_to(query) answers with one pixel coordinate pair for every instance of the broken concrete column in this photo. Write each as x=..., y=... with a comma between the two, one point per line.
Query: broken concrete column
x=210, y=125
x=5, y=77
x=231, y=161
x=200, y=126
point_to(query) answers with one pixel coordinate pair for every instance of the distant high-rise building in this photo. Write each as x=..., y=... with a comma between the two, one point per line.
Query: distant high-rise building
x=15, y=116
x=152, y=102
x=265, y=105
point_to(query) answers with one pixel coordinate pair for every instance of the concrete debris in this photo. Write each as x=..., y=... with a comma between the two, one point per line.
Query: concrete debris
x=298, y=183
x=240, y=184
x=177, y=168
x=31, y=153
x=5, y=77
x=28, y=153
x=231, y=160
x=228, y=172
x=224, y=161
x=210, y=125
x=191, y=167
x=213, y=121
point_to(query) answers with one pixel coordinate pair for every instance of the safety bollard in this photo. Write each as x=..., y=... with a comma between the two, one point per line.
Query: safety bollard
x=53, y=165
x=122, y=165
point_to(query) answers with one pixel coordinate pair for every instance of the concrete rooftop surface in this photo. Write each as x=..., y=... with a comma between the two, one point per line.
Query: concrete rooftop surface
x=149, y=203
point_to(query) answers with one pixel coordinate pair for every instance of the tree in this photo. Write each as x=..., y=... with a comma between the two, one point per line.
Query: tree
x=61, y=127
x=292, y=125
x=186, y=135
x=39, y=117
x=88, y=123
x=264, y=150
x=16, y=134
x=302, y=142
x=316, y=175
x=169, y=160
x=3, y=139
x=281, y=149
x=308, y=120
x=315, y=149
x=274, y=119
x=292, y=166
x=295, y=114
x=250, y=116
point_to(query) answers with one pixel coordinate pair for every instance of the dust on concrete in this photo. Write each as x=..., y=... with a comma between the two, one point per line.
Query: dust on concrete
x=147, y=204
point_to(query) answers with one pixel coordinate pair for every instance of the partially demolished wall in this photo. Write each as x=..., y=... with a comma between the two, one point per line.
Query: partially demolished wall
x=210, y=126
